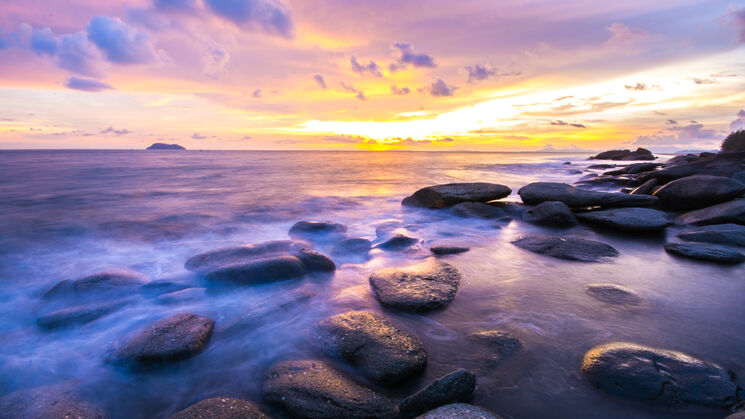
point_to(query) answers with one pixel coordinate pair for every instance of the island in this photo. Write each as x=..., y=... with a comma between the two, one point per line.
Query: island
x=164, y=146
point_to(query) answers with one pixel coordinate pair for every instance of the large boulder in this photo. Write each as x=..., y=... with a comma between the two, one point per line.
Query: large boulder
x=352, y=246
x=116, y=282
x=459, y=411
x=706, y=252
x=48, y=402
x=613, y=294
x=728, y=212
x=174, y=338
x=658, y=376
x=77, y=315
x=221, y=408
x=638, y=154
x=726, y=234
x=633, y=169
x=721, y=164
x=271, y=269
x=440, y=196
x=552, y=214
x=318, y=231
x=425, y=286
x=570, y=248
x=207, y=261
x=382, y=350
x=628, y=219
x=536, y=193
x=312, y=389
x=698, y=191
x=458, y=386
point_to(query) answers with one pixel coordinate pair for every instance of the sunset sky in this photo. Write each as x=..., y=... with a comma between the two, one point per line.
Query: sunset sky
x=363, y=74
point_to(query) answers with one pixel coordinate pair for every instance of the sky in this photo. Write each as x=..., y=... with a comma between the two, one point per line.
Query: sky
x=476, y=75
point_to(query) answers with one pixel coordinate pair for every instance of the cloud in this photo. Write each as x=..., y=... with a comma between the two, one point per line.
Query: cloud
x=198, y=136
x=479, y=73
x=702, y=81
x=256, y=93
x=444, y=140
x=400, y=90
x=78, y=55
x=409, y=57
x=246, y=137
x=120, y=43
x=267, y=15
x=567, y=124
x=680, y=136
x=176, y=5
x=361, y=96
x=346, y=139
x=321, y=82
x=215, y=61
x=87, y=85
x=371, y=67
x=440, y=89
x=642, y=87
x=351, y=89
x=738, y=123
x=43, y=41
x=671, y=122
x=117, y=132
x=737, y=18
x=624, y=37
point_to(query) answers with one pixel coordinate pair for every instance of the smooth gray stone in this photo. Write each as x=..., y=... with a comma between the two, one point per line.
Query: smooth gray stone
x=440, y=196
x=628, y=219
x=48, y=402
x=536, y=193
x=425, y=286
x=693, y=192
x=318, y=231
x=551, y=213
x=706, y=252
x=726, y=234
x=459, y=411
x=110, y=282
x=354, y=246
x=569, y=248
x=442, y=250
x=501, y=344
x=728, y=212
x=271, y=269
x=458, y=386
x=207, y=261
x=646, y=188
x=174, y=338
x=477, y=210
x=77, y=315
x=398, y=242
x=613, y=294
x=221, y=408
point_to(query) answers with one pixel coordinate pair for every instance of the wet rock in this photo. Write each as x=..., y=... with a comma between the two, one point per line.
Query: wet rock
x=426, y=286
x=398, y=242
x=550, y=213
x=737, y=415
x=440, y=196
x=48, y=402
x=633, y=169
x=318, y=231
x=476, y=210
x=657, y=376
x=646, y=188
x=111, y=282
x=263, y=315
x=458, y=386
x=726, y=234
x=613, y=294
x=628, y=219
x=182, y=296
x=312, y=389
x=699, y=191
x=315, y=262
x=272, y=269
x=729, y=212
x=221, y=408
x=536, y=193
x=378, y=347
x=501, y=344
x=459, y=411
x=174, y=338
x=681, y=159
x=722, y=164
x=205, y=262
x=569, y=248
x=601, y=166
x=353, y=246
x=707, y=252
x=77, y=315
x=441, y=250
x=638, y=154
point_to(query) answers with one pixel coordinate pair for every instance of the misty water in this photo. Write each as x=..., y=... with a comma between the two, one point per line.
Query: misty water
x=67, y=214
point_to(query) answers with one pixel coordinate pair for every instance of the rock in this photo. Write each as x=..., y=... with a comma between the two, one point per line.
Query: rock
x=737, y=415
x=501, y=344
x=657, y=376
x=646, y=188
x=638, y=154
x=319, y=231
x=476, y=210
x=708, y=252
x=312, y=389
x=601, y=166
x=164, y=146
x=426, y=286
x=111, y=282
x=354, y=246
x=628, y=219
x=174, y=338
x=550, y=213
x=48, y=402
x=729, y=212
x=698, y=191
x=633, y=169
x=722, y=164
x=440, y=196
x=569, y=248
x=458, y=386
x=221, y=408
x=271, y=269
x=205, y=262
x=379, y=348
x=613, y=294
x=459, y=411
x=726, y=234
x=315, y=262
x=536, y=193
x=681, y=159
x=398, y=242
x=441, y=250
x=77, y=315
x=182, y=296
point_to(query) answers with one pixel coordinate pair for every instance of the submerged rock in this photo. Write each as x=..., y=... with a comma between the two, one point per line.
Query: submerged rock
x=312, y=389
x=174, y=338
x=613, y=294
x=221, y=408
x=77, y=315
x=182, y=296
x=378, y=347
x=477, y=210
x=551, y=213
x=658, y=376
x=501, y=344
x=109, y=282
x=353, y=246
x=698, y=191
x=271, y=269
x=707, y=252
x=315, y=262
x=398, y=242
x=458, y=386
x=48, y=402
x=318, y=231
x=440, y=196
x=207, y=261
x=442, y=250
x=727, y=234
x=569, y=248
x=628, y=219
x=536, y=193
x=729, y=212
x=459, y=411
x=426, y=286
x=638, y=154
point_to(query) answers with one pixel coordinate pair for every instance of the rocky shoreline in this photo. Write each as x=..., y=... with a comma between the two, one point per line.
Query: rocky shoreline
x=699, y=198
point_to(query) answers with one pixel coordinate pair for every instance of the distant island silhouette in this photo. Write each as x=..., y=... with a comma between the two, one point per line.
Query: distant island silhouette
x=164, y=146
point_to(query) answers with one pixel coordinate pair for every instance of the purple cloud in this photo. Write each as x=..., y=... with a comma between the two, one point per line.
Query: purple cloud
x=440, y=89
x=737, y=17
x=87, y=85
x=198, y=136
x=400, y=90
x=479, y=73
x=117, y=132
x=409, y=57
x=175, y=5
x=561, y=123
x=738, y=123
x=641, y=87
x=43, y=41
x=269, y=16
x=120, y=43
x=321, y=82
x=371, y=67
x=256, y=93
